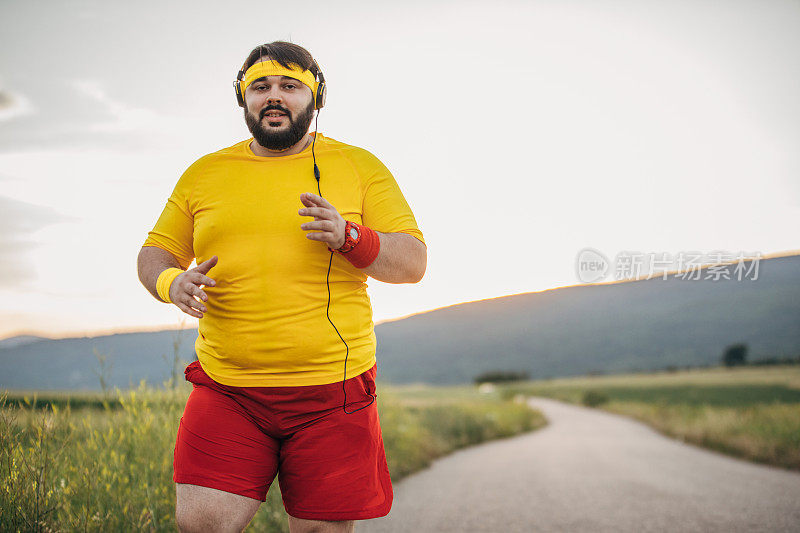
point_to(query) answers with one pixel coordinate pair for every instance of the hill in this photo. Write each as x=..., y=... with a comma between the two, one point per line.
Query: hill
x=610, y=328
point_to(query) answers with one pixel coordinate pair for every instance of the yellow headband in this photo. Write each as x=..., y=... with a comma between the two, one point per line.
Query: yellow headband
x=273, y=68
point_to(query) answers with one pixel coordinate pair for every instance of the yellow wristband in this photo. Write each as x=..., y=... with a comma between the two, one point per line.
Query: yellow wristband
x=164, y=282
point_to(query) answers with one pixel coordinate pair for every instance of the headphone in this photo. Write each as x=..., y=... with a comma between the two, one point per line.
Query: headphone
x=319, y=102
x=317, y=176
x=319, y=97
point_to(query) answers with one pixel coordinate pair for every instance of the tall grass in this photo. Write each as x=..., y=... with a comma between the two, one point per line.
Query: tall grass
x=107, y=466
x=91, y=469
x=752, y=413
x=764, y=433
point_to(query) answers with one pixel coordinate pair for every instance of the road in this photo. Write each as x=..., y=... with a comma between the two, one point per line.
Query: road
x=592, y=471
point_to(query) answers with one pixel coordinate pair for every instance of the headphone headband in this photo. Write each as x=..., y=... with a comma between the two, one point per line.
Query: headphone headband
x=273, y=68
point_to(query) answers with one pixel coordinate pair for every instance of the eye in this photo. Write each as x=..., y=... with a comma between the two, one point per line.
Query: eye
x=290, y=86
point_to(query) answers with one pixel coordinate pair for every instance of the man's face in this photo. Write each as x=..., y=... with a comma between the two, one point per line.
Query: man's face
x=278, y=111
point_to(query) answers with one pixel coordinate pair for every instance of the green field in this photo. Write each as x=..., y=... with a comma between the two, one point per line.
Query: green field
x=84, y=462
x=747, y=412
x=87, y=463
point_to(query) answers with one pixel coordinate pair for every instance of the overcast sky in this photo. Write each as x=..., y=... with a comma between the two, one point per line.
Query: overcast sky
x=519, y=132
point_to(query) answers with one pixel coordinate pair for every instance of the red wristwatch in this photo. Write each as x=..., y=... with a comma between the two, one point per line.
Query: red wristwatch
x=352, y=234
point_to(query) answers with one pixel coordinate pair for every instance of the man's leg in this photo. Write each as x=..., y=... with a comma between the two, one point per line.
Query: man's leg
x=203, y=509
x=333, y=469
x=223, y=462
x=299, y=525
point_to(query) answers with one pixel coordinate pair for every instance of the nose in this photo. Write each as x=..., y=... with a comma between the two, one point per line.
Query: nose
x=274, y=95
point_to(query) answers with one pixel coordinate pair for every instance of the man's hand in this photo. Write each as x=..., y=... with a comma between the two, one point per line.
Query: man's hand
x=326, y=219
x=186, y=286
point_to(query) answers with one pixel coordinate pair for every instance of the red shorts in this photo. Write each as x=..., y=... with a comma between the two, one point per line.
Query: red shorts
x=330, y=465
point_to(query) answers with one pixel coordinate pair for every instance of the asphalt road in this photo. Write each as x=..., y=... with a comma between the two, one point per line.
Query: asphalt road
x=591, y=471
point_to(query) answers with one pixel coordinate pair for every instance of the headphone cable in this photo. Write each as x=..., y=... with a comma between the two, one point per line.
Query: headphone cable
x=328, y=284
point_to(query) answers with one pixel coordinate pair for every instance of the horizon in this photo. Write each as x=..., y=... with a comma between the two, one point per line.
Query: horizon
x=103, y=333
x=608, y=126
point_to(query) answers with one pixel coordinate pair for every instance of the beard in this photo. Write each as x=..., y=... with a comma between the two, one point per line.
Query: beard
x=285, y=138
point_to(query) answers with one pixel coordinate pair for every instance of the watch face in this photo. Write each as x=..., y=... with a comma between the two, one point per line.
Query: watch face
x=353, y=233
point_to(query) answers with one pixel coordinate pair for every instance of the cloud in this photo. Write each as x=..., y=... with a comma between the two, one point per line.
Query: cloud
x=124, y=118
x=80, y=113
x=87, y=113
x=13, y=105
x=20, y=220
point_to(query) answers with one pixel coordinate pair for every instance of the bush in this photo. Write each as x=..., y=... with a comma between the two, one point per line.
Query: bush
x=498, y=376
x=593, y=398
x=735, y=354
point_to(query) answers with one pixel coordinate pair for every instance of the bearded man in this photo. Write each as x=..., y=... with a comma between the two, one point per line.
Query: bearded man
x=284, y=383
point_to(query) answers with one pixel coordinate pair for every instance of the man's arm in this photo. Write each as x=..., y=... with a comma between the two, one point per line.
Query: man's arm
x=185, y=290
x=402, y=259
x=153, y=261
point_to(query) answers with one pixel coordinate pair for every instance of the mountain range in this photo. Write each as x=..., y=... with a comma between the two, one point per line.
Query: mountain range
x=608, y=328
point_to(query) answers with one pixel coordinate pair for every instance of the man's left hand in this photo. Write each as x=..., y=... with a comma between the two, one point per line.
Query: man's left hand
x=326, y=219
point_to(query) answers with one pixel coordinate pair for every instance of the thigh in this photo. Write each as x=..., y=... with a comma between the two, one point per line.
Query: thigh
x=219, y=446
x=299, y=525
x=206, y=509
x=335, y=469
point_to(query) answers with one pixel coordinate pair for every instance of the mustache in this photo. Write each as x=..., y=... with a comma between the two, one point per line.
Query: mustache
x=274, y=108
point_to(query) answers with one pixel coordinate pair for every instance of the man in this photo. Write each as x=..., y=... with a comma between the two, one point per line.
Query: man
x=285, y=377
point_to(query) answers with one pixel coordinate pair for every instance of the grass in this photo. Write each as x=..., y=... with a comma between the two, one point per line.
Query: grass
x=92, y=462
x=746, y=412
x=103, y=462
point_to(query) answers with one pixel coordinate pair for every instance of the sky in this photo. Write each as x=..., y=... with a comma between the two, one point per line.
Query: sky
x=519, y=132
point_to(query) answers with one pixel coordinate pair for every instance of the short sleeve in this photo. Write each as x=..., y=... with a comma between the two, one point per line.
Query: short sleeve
x=385, y=208
x=174, y=230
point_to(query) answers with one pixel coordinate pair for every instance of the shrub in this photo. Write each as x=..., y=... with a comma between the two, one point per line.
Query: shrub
x=735, y=354
x=498, y=376
x=593, y=398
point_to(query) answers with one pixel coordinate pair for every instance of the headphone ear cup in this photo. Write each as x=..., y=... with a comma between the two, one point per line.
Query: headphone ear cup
x=319, y=99
x=237, y=89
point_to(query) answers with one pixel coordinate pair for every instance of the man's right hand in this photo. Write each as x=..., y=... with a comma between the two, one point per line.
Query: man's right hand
x=186, y=286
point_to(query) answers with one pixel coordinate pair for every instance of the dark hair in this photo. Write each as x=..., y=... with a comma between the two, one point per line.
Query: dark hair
x=284, y=53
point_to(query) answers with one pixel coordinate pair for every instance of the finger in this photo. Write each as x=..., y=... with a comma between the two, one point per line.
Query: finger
x=186, y=292
x=322, y=225
x=306, y=200
x=321, y=201
x=200, y=279
x=206, y=265
x=324, y=236
x=315, y=212
x=189, y=301
x=188, y=310
x=193, y=290
x=315, y=199
x=200, y=293
x=211, y=261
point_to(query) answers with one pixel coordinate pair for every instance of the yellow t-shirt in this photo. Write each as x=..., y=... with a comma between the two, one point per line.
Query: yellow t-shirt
x=265, y=323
